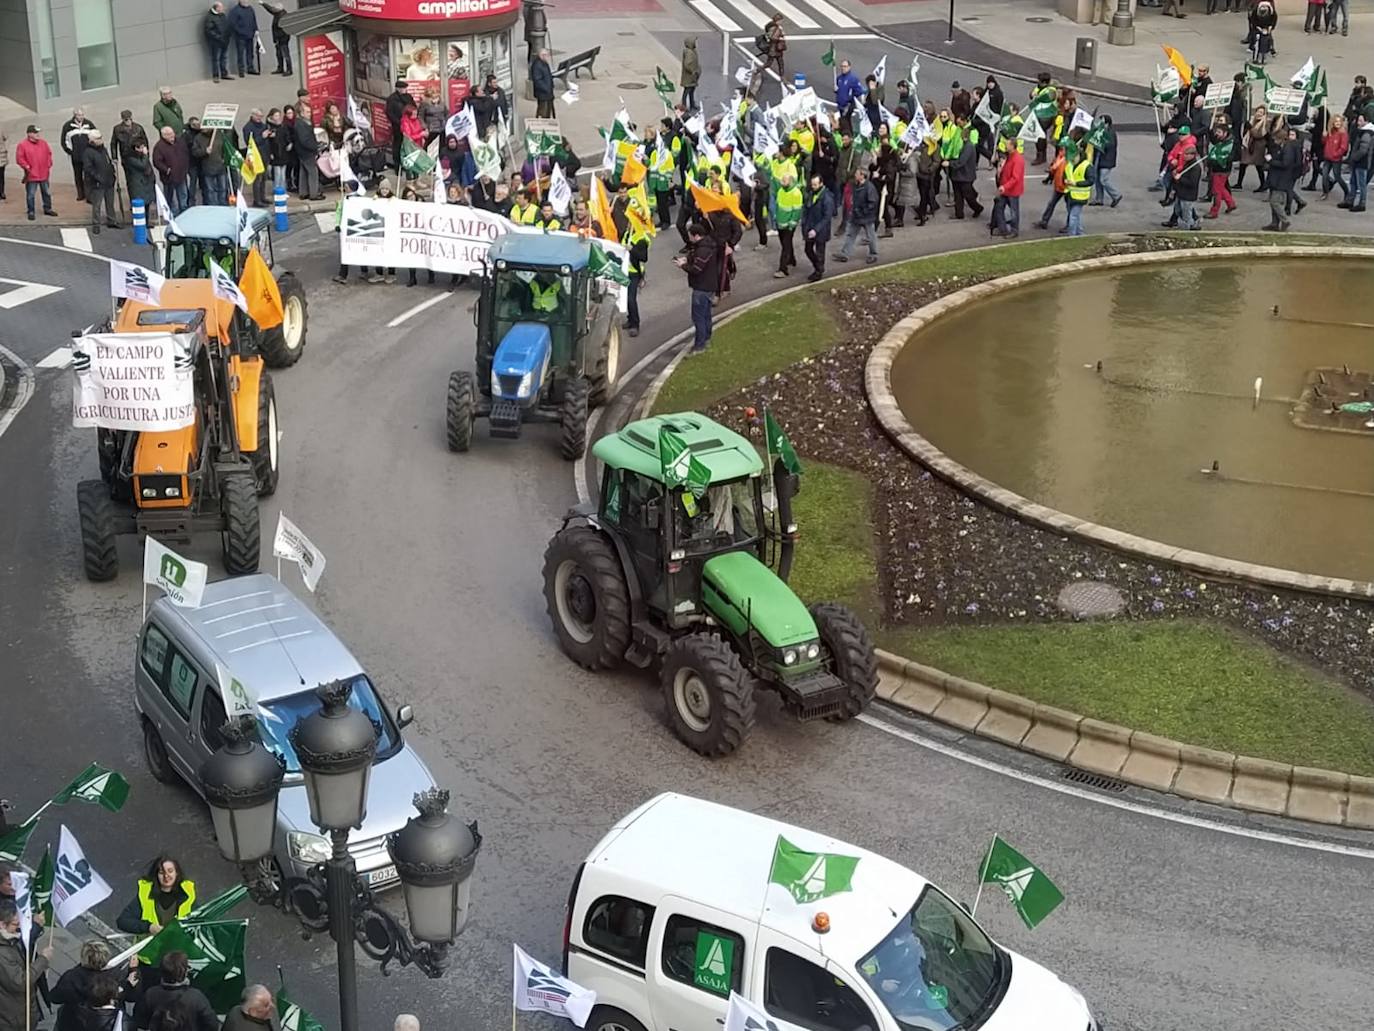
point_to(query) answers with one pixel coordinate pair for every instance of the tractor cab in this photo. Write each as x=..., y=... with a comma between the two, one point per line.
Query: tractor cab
x=211, y=234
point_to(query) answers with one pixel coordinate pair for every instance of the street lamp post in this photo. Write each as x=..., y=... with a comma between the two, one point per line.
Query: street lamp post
x=434, y=854
x=1121, y=32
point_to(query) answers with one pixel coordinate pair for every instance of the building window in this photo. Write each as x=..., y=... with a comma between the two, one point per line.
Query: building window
x=95, y=45
x=47, y=55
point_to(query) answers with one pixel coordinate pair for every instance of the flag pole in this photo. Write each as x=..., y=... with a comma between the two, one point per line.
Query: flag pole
x=28, y=989
x=979, y=894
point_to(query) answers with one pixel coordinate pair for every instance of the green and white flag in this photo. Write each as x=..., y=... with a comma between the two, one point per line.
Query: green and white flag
x=215, y=951
x=182, y=580
x=604, y=266
x=1257, y=73
x=15, y=839
x=487, y=157
x=291, y=1016
x=809, y=876
x=779, y=445
x=214, y=908
x=1316, y=88
x=41, y=886
x=540, y=144
x=828, y=58
x=96, y=785
x=1304, y=76
x=663, y=86
x=1032, y=893
x=1166, y=84
x=415, y=159
x=1031, y=131
x=681, y=468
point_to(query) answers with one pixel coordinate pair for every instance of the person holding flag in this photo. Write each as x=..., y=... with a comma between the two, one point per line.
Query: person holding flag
x=161, y=896
x=75, y=989
x=19, y=975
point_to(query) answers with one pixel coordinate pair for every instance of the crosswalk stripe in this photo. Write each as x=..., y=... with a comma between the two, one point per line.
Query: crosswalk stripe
x=58, y=359
x=750, y=12
x=793, y=16
x=714, y=15
x=77, y=239
x=833, y=13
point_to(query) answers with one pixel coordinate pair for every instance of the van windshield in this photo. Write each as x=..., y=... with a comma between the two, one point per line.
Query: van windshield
x=936, y=970
x=276, y=718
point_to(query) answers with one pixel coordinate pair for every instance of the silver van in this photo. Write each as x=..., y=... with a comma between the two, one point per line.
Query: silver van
x=266, y=637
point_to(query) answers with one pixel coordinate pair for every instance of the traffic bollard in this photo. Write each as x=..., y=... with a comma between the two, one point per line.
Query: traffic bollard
x=799, y=81
x=279, y=207
x=139, y=216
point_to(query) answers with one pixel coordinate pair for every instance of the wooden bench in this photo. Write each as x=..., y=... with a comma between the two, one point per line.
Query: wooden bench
x=576, y=63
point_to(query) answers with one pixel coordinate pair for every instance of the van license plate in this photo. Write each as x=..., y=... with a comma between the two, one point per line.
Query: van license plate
x=384, y=875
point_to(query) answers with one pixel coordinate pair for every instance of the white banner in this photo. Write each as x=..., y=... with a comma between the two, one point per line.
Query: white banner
x=76, y=887
x=295, y=546
x=416, y=234
x=133, y=381
x=182, y=580
x=537, y=988
x=135, y=282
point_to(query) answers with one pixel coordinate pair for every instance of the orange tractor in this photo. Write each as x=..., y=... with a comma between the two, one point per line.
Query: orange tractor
x=205, y=476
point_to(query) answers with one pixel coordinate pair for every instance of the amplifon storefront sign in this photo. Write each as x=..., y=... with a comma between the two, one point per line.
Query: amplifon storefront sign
x=427, y=10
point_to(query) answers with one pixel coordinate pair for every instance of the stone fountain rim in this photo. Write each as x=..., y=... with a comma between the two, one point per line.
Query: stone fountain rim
x=878, y=387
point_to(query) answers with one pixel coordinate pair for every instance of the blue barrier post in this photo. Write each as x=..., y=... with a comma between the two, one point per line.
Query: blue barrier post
x=799, y=80
x=139, y=217
x=279, y=207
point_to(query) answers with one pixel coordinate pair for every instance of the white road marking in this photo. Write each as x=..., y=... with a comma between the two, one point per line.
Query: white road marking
x=818, y=37
x=1273, y=837
x=27, y=292
x=410, y=313
x=836, y=16
x=76, y=239
x=715, y=15
x=59, y=359
x=23, y=392
x=325, y=221
x=750, y=12
x=794, y=16
x=54, y=247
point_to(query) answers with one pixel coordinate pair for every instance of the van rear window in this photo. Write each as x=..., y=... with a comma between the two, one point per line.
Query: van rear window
x=619, y=927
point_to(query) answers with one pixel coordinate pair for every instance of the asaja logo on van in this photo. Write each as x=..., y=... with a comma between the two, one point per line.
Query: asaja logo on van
x=715, y=960
x=173, y=571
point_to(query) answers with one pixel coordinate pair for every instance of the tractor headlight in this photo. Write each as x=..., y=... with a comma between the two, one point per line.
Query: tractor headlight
x=495, y=384
x=172, y=492
x=789, y=656
x=526, y=383
x=150, y=492
x=813, y=650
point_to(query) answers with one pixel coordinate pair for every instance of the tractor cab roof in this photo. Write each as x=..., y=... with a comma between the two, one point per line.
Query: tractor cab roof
x=726, y=454
x=178, y=298
x=541, y=250
x=217, y=222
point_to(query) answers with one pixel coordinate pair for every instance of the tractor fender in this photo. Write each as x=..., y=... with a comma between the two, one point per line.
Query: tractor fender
x=249, y=374
x=591, y=343
x=638, y=612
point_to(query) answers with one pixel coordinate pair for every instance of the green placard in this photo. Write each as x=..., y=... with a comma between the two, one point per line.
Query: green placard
x=715, y=960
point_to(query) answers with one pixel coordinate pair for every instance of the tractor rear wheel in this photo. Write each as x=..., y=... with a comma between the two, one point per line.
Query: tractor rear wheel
x=587, y=597
x=96, y=511
x=572, y=420
x=460, y=406
x=710, y=699
x=852, y=657
x=265, y=471
x=242, y=536
x=607, y=366
x=282, y=345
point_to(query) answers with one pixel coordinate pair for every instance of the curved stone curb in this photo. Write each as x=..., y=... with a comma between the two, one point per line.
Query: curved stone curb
x=878, y=386
x=1133, y=756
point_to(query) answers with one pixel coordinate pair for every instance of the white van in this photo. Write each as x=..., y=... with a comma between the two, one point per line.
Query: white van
x=673, y=910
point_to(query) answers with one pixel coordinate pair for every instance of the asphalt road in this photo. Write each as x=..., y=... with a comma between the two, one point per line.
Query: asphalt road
x=433, y=581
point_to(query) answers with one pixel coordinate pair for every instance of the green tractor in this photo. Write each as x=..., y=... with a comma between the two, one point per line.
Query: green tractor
x=211, y=233
x=652, y=571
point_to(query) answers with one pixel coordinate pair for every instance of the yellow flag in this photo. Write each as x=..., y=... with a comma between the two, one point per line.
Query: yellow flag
x=1185, y=70
x=638, y=211
x=708, y=202
x=599, y=207
x=252, y=163
x=260, y=290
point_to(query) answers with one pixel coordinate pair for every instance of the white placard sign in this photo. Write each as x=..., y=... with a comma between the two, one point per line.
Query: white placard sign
x=1284, y=100
x=219, y=116
x=417, y=234
x=1219, y=95
x=133, y=381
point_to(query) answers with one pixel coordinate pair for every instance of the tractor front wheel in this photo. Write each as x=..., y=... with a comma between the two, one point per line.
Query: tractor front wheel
x=265, y=471
x=242, y=536
x=710, y=700
x=607, y=366
x=572, y=420
x=852, y=657
x=282, y=345
x=460, y=405
x=96, y=511
x=587, y=598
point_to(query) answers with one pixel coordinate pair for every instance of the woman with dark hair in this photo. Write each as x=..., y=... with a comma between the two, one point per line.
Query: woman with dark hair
x=162, y=895
x=174, y=999
x=102, y=1006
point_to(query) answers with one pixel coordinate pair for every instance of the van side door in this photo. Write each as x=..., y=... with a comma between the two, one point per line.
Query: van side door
x=697, y=956
x=800, y=989
x=168, y=706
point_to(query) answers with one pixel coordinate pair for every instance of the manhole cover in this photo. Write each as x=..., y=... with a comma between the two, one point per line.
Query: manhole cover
x=624, y=33
x=1089, y=598
x=631, y=85
x=1037, y=21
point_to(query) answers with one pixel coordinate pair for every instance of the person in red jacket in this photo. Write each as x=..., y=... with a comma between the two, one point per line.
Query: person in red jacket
x=34, y=158
x=1011, y=184
x=1335, y=146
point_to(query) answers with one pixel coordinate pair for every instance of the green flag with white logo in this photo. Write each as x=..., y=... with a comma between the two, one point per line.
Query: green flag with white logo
x=1030, y=891
x=213, y=909
x=40, y=888
x=13, y=841
x=604, y=266
x=715, y=961
x=663, y=86
x=779, y=445
x=809, y=876
x=681, y=468
x=98, y=786
x=828, y=58
x=291, y=1016
x=415, y=159
x=215, y=952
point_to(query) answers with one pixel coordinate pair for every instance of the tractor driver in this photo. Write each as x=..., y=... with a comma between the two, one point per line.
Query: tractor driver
x=546, y=295
x=223, y=256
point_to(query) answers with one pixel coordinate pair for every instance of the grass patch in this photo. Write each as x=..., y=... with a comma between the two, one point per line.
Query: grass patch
x=984, y=262
x=1185, y=680
x=834, y=558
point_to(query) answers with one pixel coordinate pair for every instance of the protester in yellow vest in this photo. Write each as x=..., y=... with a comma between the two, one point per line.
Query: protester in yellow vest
x=545, y=289
x=1078, y=185
x=524, y=212
x=547, y=220
x=163, y=895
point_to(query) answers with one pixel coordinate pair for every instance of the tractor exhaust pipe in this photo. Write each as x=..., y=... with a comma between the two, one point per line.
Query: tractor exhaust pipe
x=785, y=487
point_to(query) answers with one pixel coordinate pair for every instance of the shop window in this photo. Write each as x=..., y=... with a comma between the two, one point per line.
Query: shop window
x=95, y=45
x=372, y=64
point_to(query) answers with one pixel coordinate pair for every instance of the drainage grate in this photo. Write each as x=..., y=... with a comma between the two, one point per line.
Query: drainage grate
x=1094, y=780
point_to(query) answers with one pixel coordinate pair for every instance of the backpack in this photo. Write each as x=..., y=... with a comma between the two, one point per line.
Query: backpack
x=761, y=42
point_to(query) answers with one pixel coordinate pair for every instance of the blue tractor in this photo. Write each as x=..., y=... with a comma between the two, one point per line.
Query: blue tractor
x=548, y=343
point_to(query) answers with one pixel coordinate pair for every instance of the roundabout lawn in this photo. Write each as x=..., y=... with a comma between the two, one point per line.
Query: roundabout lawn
x=1166, y=669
